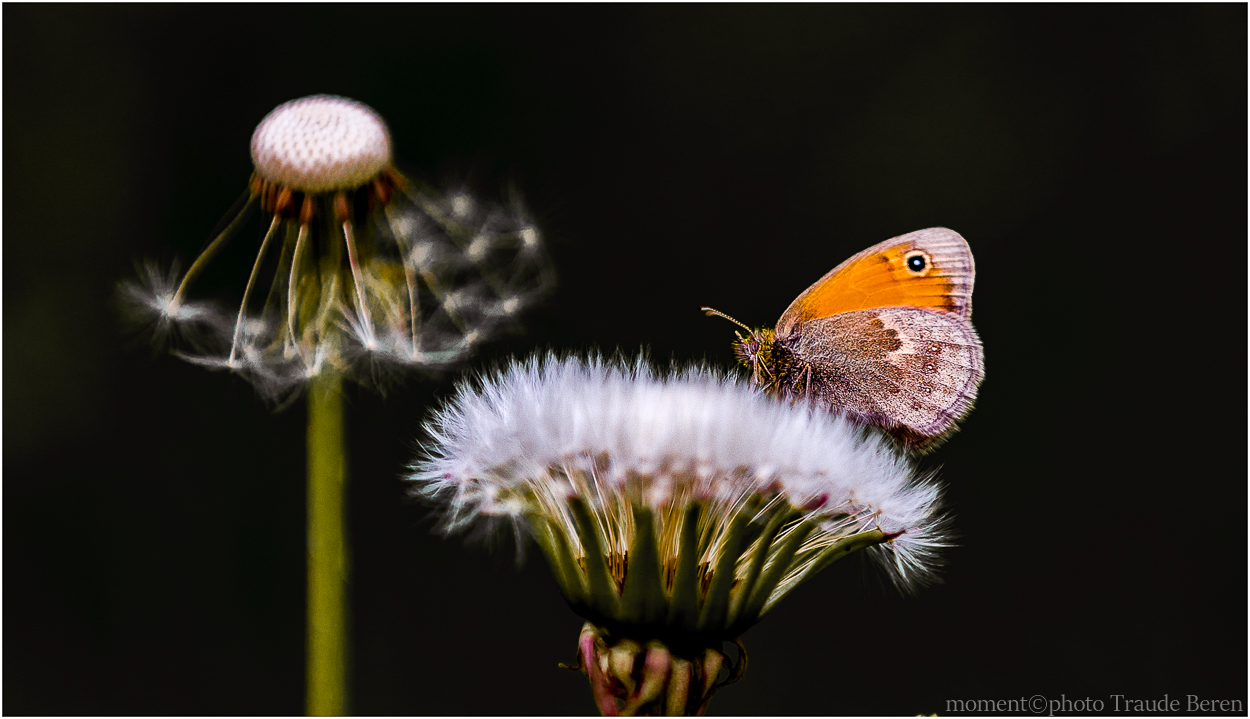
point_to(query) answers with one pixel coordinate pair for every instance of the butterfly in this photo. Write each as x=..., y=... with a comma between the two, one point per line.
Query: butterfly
x=885, y=338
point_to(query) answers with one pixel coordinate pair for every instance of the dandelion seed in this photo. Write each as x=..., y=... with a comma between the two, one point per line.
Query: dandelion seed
x=478, y=248
x=451, y=302
x=358, y=266
x=529, y=237
x=423, y=255
x=154, y=299
x=461, y=205
x=675, y=510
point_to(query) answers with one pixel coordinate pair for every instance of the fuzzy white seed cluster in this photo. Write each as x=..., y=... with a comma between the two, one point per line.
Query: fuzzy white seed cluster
x=366, y=274
x=530, y=437
x=320, y=144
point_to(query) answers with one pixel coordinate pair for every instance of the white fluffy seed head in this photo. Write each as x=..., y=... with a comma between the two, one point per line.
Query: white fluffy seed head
x=541, y=431
x=321, y=143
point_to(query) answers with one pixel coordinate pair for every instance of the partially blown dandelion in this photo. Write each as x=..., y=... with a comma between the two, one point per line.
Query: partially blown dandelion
x=675, y=511
x=372, y=270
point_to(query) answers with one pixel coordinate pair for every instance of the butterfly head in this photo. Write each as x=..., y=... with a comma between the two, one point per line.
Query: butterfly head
x=758, y=350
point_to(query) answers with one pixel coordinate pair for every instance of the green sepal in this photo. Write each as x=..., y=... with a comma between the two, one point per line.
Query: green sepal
x=716, y=603
x=560, y=556
x=642, y=599
x=827, y=556
x=599, y=582
x=683, y=610
x=780, y=565
x=762, y=547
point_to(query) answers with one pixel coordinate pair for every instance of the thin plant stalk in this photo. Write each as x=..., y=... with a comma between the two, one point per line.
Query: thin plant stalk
x=326, y=692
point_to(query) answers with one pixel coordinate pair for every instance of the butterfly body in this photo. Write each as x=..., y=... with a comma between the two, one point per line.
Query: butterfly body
x=885, y=338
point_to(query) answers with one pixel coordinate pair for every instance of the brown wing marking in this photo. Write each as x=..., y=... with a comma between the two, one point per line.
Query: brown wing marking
x=899, y=368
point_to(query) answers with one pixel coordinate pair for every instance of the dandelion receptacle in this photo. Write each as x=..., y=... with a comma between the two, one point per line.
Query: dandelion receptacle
x=675, y=510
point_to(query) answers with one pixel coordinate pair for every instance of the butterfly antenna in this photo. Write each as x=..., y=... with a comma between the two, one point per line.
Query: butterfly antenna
x=717, y=313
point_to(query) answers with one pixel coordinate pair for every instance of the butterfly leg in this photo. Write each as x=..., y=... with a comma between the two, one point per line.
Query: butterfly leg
x=801, y=390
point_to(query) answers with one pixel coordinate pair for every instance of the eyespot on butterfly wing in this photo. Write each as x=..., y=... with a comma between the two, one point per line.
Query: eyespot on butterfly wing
x=930, y=268
x=886, y=338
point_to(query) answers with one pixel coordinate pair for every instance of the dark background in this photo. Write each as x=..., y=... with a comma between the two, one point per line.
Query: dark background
x=675, y=156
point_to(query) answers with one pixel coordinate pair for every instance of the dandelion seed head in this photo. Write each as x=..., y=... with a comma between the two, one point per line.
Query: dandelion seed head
x=675, y=509
x=320, y=144
x=360, y=271
x=530, y=436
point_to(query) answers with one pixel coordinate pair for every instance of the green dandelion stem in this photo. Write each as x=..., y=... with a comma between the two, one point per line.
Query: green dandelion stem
x=326, y=690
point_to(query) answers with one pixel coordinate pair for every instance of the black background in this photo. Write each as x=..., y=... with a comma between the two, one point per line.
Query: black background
x=675, y=156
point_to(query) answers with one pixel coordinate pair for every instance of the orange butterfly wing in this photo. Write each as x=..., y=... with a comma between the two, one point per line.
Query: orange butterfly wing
x=890, y=275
